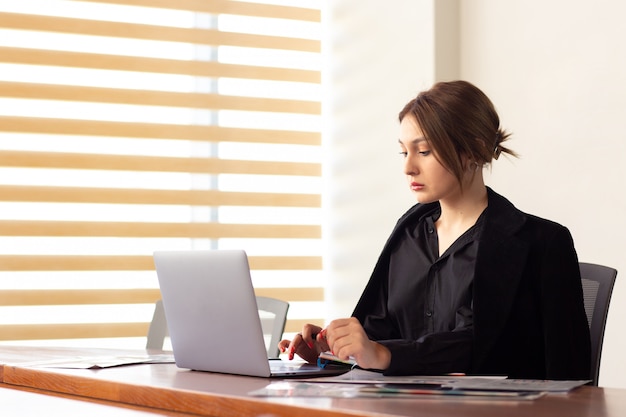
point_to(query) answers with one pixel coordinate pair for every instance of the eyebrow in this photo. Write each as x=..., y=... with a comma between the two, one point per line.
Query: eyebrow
x=414, y=141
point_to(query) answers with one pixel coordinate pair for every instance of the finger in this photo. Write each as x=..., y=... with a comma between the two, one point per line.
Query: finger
x=322, y=337
x=309, y=334
x=343, y=348
x=293, y=346
x=339, y=340
x=283, y=345
x=308, y=338
x=320, y=341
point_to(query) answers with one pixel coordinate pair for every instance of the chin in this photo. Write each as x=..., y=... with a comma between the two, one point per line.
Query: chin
x=424, y=199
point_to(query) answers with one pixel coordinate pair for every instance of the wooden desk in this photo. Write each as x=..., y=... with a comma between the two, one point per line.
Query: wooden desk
x=166, y=387
x=15, y=401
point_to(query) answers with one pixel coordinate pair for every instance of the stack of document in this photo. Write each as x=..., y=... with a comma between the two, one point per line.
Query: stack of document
x=359, y=383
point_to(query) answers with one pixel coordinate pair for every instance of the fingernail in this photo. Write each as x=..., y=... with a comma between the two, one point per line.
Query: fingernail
x=310, y=345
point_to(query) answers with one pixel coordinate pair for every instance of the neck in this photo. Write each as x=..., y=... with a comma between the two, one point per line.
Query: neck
x=465, y=208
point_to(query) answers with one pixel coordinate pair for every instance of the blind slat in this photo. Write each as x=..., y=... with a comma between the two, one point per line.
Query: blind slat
x=160, y=197
x=155, y=98
x=153, y=32
x=61, y=160
x=100, y=330
x=72, y=331
x=158, y=230
x=155, y=131
x=226, y=7
x=75, y=297
x=154, y=65
x=131, y=296
x=138, y=263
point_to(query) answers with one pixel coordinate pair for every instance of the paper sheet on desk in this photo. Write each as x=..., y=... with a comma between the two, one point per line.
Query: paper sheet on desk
x=362, y=376
x=98, y=362
x=490, y=383
x=337, y=390
x=517, y=384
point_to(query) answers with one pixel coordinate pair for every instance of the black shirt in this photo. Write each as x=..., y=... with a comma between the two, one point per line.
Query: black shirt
x=528, y=313
x=427, y=314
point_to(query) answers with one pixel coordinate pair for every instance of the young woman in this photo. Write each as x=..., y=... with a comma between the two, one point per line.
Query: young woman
x=466, y=283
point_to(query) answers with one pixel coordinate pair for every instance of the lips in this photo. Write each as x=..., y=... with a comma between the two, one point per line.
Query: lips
x=416, y=186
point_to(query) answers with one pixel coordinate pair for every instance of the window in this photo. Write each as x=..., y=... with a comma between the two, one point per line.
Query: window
x=129, y=126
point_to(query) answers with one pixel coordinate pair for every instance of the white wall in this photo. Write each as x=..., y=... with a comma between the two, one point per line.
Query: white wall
x=556, y=71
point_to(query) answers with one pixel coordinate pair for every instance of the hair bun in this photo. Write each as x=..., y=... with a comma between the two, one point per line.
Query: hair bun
x=496, y=152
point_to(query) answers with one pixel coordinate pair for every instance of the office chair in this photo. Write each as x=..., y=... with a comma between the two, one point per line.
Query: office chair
x=272, y=312
x=597, y=282
x=157, y=332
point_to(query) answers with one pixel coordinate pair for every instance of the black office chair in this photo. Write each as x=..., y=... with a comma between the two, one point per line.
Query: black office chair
x=597, y=281
x=272, y=312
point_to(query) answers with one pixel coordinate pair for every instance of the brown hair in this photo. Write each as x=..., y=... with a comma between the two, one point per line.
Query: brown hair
x=457, y=120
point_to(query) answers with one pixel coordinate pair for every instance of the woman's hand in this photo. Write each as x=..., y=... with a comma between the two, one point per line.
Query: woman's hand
x=346, y=338
x=308, y=344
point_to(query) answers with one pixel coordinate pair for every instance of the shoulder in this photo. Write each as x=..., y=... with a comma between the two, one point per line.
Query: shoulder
x=504, y=216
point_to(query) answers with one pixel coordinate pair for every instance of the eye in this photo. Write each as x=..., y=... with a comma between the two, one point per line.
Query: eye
x=404, y=153
x=424, y=153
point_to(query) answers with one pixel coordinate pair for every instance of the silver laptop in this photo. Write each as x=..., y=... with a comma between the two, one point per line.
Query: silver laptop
x=212, y=316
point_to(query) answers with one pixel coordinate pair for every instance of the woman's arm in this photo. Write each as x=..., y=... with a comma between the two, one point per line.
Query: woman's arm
x=565, y=327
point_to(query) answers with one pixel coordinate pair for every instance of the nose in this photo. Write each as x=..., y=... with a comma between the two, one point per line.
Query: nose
x=409, y=166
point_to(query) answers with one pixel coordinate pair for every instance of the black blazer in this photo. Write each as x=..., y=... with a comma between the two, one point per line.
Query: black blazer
x=529, y=316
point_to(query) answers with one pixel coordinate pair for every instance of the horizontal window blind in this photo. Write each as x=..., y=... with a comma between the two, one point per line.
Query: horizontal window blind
x=130, y=126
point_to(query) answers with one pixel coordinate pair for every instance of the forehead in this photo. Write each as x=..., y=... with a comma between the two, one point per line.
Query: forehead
x=410, y=132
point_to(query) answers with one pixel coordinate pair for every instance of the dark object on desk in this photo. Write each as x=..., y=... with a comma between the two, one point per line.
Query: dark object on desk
x=597, y=282
x=327, y=358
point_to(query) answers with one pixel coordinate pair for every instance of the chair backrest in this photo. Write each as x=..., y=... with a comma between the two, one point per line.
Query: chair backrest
x=272, y=311
x=597, y=282
x=157, y=332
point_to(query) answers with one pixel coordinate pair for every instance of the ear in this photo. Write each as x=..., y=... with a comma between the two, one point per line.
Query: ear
x=468, y=163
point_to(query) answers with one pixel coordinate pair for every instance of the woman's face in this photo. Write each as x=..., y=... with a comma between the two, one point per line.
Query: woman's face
x=428, y=179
